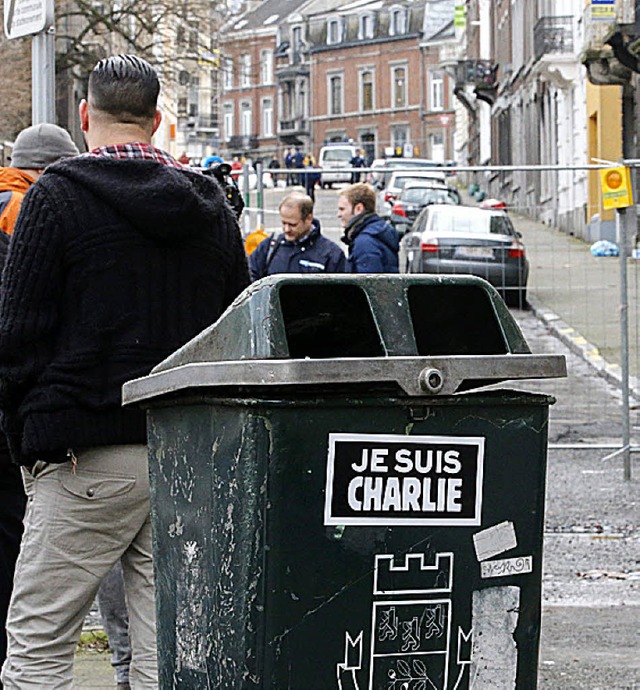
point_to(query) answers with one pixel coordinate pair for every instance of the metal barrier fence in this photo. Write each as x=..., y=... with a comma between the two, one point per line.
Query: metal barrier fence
x=593, y=299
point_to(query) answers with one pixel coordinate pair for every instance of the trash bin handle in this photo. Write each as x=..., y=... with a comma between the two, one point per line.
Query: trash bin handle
x=417, y=376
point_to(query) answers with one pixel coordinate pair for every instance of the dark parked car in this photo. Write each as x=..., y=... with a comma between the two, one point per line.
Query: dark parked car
x=413, y=198
x=385, y=166
x=469, y=240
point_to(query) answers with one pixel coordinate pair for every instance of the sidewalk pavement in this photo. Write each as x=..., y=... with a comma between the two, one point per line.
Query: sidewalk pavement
x=578, y=296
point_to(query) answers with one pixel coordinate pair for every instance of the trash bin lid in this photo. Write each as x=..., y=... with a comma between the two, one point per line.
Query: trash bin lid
x=422, y=335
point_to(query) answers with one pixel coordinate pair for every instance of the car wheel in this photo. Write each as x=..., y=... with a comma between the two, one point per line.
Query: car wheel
x=516, y=298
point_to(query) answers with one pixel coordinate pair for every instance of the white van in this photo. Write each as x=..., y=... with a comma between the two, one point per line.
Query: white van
x=336, y=157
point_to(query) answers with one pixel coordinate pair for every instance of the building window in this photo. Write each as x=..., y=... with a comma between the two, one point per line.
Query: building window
x=227, y=72
x=436, y=90
x=266, y=66
x=286, y=101
x=245, y=119
x=297, y=45
x=368, y=141
x=436, y=144
x=303, y=109
x=366, y=90
x=335, y=95
x=245, y=70
x=397, y=21
x=399, y=87
x=399, y=137
x=228, y=121
x=365, y=26
x=267, y=117
x=334, y=31
x=193, y=39
x=181, y=38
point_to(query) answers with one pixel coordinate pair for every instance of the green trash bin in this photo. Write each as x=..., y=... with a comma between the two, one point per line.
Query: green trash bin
x=335, y=505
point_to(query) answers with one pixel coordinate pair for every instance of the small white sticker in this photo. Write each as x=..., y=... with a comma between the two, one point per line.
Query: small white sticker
x=507, y=566
x=495, y=540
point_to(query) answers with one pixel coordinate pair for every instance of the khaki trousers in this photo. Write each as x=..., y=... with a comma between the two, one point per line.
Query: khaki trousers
x=80, y=520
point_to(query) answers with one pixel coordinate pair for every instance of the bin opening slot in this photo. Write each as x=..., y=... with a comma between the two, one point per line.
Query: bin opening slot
x=454, y=320
x=325, y=321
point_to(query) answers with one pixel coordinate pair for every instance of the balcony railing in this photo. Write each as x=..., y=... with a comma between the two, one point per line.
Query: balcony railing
x=295, y=125
x=238, y=141
x=552, y=35
x=207, y=122
x=481, y=73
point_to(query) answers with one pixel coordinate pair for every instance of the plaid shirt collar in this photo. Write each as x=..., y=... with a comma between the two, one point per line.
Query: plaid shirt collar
x=136, y=150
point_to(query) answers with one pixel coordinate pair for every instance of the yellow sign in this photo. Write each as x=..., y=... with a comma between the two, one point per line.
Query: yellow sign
x=460, y=15
x=616, y=188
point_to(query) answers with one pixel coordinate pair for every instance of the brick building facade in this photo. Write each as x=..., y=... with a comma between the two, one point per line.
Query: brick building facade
x=367, y=72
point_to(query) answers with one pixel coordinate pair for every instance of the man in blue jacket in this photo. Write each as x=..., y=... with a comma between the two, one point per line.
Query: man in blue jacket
x=300, y=247
x=373, y=243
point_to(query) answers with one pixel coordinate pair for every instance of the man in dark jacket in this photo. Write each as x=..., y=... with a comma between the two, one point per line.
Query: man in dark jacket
x=373, y=243
x=300, y=248
x=119, y=257
x=357, y=161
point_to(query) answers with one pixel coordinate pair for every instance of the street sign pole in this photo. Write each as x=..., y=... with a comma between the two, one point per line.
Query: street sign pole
x=617, y=194
x=621, y=235
x=36, y=18
x=43, y=77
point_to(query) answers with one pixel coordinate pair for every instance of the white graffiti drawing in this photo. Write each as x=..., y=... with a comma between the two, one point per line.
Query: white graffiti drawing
x=410, y=635
x=417, y=658
x=414, y=575
x=413, y=676
x=348, y=670
x=388, y=627
x=464, y=654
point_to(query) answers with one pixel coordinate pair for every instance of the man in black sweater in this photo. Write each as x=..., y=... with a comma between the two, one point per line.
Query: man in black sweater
x=119, y=257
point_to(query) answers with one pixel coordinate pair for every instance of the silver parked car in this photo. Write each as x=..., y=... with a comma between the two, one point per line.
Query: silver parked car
x=470, y=240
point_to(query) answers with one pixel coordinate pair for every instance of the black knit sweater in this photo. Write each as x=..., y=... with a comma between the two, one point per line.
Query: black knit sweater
x=114, y=264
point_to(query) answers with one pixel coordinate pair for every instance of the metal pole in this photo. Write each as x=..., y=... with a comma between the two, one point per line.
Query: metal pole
x=247, y=197
x=43, y=77
x=621, y=234
x=259, y=198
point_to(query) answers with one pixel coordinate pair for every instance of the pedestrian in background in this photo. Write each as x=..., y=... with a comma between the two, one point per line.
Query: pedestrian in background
x=300, y=247
x=357, y=161
x=311, y=176
x=274, y=164
x=373, y=243
x=118, y=258
x=297, y=162
x=33, y=150
x=288, y=164
x=236, y=168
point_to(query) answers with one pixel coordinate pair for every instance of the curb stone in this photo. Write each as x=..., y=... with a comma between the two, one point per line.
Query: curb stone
x=612, y=373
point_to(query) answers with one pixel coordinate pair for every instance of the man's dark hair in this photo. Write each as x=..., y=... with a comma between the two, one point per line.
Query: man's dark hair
x=125, y=87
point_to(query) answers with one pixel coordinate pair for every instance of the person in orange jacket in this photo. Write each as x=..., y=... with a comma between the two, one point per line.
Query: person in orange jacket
x=34, y=148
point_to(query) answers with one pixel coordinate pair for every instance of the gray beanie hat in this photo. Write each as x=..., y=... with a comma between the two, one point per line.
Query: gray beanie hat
x=38, y=146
